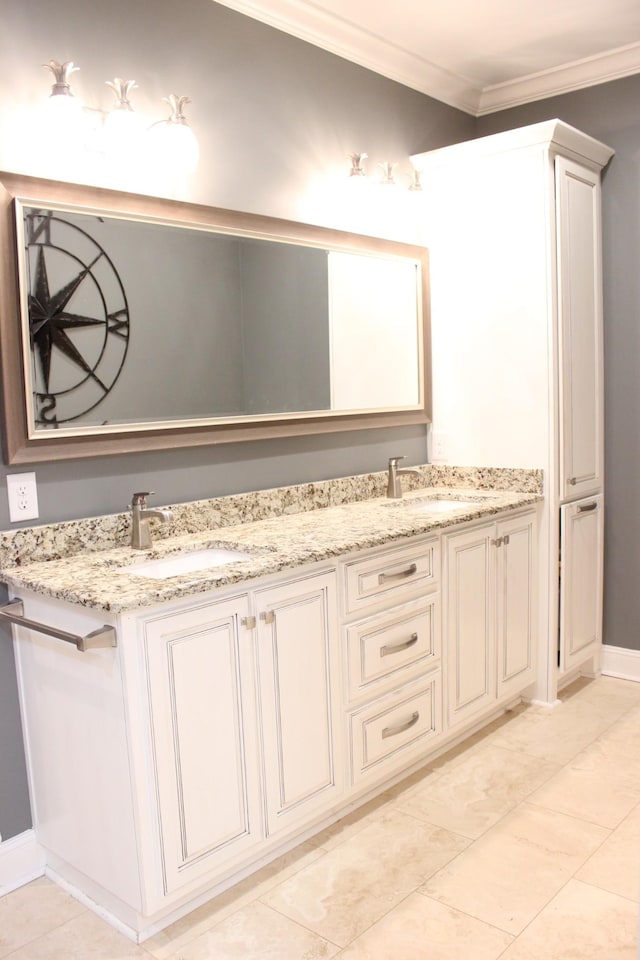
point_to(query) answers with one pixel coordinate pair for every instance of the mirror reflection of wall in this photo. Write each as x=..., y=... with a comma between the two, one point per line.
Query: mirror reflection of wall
x=219, y=325
x=375, y=343
x=162, y=322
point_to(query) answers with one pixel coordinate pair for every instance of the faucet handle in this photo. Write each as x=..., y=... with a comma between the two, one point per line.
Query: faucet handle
x=140, y=499
x=396, y=460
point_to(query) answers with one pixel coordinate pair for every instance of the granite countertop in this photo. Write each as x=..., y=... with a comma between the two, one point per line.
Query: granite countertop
x=280, y=529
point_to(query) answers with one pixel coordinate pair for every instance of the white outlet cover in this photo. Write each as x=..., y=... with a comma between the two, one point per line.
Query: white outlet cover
x=22, y=493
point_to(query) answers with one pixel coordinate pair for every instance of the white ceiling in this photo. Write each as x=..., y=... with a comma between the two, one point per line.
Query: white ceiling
x=478, y=55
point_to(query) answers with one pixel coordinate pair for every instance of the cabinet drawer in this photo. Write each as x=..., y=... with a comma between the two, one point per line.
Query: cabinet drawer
x=387, y=576
x=383, y=650
x=396, y=729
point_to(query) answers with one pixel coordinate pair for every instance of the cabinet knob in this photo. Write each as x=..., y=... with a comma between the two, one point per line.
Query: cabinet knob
x=268, y=616
x=248, y=622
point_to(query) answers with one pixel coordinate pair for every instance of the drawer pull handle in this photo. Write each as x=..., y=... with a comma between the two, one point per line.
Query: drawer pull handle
x=402, y=575
x=572, y=481
x=587, y=507
x=401, y=727
x=390, y=648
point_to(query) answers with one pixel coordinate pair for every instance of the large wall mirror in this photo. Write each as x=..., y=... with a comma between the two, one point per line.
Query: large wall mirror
x=133, y=323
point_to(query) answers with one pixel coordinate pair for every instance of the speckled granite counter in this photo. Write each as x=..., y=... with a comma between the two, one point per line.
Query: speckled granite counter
x=81, y=561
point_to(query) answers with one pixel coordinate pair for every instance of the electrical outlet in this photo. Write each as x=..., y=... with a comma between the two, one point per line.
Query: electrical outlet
x=23, y=496
x=439, y=447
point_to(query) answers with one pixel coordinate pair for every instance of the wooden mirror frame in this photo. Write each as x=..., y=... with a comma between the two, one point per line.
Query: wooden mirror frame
x=19, y=448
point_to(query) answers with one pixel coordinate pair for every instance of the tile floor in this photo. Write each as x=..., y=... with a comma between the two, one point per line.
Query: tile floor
x=523, y=844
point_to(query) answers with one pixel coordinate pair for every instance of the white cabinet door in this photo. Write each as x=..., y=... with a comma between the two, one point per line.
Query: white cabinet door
x=580, y=329
x=491, y=572
x=298, y=659
x=581, y=535
x=201, y=690
x=470, y=619
x=516, y=559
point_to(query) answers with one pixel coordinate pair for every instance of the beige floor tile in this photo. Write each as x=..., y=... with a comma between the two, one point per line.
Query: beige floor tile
x=349, y=888
x=423, y=929
x=606, y=693
x=508, y=875
x=596, y=786
x=257, y=933
x=165, y=943
x=34, y=910
x=475, y=793
x=350, y=825
x=616, y=865
x=580, y=923
x=86, y=937
x=556, y=734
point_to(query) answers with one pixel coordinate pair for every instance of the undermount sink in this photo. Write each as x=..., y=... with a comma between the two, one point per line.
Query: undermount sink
x=174, y=566
x=436, y=504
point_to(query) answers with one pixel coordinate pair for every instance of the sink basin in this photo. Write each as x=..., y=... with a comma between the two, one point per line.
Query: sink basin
x=182, y=563
x=441, y=506
x=436, y=504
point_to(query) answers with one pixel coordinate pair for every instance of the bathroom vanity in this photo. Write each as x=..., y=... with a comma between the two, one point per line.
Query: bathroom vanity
x=247, y=705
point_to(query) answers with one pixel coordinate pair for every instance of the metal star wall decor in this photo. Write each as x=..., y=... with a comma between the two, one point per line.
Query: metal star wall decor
x=78, y=318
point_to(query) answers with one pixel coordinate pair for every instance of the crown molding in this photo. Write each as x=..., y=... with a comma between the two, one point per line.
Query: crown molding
x=343, y=39
x=336, y=35
x=613, y=65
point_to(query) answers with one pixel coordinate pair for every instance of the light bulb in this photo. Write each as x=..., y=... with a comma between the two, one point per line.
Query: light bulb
x=174, y=141
x=62, y=117
x=123, y=126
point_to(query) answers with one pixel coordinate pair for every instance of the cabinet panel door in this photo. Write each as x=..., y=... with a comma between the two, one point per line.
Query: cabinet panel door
x=200, y=673
x=581, y=538
x=580, y=329
x=516, y=558
x=470, y=623
x=298, y=660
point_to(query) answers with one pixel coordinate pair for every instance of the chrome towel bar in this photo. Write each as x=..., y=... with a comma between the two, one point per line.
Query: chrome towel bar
x=103, y=637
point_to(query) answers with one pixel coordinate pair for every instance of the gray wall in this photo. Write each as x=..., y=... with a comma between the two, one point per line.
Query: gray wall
x=610, y=113
x=275, y=118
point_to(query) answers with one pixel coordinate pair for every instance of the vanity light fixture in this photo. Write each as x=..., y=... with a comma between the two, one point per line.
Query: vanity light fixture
x=63, y=108
x=356, y=169
x=122, y=127
x=415, y=184
x=357, y=173
x=386, y=180
x=175, y=138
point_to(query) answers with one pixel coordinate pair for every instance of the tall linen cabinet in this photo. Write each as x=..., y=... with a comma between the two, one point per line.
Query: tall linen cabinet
x=513, y=225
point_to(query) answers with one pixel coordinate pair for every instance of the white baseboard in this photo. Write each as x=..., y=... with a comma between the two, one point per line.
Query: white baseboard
x=620, y=662
x=21, y=860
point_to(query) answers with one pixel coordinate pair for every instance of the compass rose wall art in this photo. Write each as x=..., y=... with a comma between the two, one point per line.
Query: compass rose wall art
x=78, y=318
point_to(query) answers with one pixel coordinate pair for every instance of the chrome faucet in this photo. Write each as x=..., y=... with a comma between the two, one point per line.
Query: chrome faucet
x=394, y=486
x=140, y=517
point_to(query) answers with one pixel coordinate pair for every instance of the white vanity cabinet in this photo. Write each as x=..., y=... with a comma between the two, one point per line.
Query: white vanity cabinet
x=225, y=727
x=513, y=224
x=581, y=420
x=392, y=651
x=199, y=678
x=298, y=672
x=581, y=535
x=489, y=631
x=231, y=768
